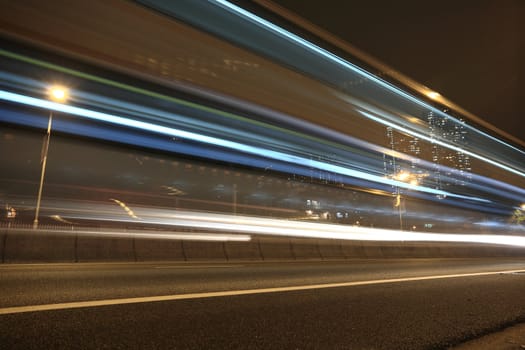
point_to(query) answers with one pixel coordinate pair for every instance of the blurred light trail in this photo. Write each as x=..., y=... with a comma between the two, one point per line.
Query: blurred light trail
x=267, y=133
x=276, y=30
x=329, y=137
x=313, y=61
x=109, y=118
x=334, y=141
x=185, y=236
x=125, y=207
x=288, y=228
x=147, y=234
x=441, y=143
x=61, y=219
x=33, y=85
x=380, y=66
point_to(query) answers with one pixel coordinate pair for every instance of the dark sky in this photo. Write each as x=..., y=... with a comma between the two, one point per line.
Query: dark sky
x=468, y=50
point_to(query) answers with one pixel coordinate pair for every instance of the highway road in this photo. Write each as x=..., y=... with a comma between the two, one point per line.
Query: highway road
x=360, y=304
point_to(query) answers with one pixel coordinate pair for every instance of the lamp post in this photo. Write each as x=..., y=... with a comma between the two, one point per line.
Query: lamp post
x=413, y=180
x=398, y=205
x=57, y=94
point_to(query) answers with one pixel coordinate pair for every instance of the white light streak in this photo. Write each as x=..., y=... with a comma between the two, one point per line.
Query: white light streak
x=160, y=235
x=441, y=143
x=109, y=118
x=338, y=60
x=190, y=236
x=288, y=228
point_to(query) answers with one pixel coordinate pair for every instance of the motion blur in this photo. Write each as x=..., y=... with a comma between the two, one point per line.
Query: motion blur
x=233, y=127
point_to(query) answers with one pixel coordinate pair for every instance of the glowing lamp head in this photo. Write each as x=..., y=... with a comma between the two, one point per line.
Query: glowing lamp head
x=522, y=207
x=58, y=93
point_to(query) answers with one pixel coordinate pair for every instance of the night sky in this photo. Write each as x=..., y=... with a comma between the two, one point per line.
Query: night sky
x=471, y=51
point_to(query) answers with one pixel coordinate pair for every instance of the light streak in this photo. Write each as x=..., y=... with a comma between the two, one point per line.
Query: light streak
x=333, y=135
x=61, y=219
x=189, y=236
x=341, y=62
x=155, y=235
x=287, y=228
x=109, y=118
x=441, y=143
x=155, y=95
x=328, y=231
x=125, y=207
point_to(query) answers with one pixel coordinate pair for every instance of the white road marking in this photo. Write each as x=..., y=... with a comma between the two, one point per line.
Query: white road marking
x=95, y=303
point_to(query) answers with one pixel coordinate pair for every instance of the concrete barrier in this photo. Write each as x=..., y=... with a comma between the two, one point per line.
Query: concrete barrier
x=27, y=245
x=37, y=246
x=353, y=250
x=305, y=249
x=276, y=249
x=399, y=250
x=159, y=250
x=243, y=250
x=3, y=238
x=204, y=250
x=96, y=248
x=331, y=249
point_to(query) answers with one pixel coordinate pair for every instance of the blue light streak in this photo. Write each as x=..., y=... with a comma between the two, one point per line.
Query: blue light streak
x=338, y=60
x=109, y=118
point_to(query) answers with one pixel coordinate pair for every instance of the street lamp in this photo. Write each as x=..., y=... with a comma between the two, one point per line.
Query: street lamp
x=58, y=94
x=410, y=178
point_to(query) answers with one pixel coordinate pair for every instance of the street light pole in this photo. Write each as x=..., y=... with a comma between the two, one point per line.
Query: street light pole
x=57, y=94
x=45, y=148
x=413, y=180
x=399, y=208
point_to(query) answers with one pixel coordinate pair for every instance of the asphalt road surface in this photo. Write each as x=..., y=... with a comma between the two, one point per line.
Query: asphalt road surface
x=376, y=304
